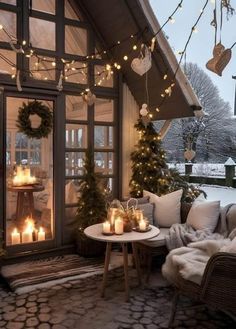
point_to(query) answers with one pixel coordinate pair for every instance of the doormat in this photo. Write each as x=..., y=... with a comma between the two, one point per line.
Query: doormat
x=41, y=273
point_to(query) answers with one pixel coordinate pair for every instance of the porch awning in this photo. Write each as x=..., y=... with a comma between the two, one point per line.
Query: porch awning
x=114, y=20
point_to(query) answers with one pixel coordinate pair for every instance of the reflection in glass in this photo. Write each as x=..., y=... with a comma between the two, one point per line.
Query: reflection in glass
x=76, y=72
x=74, y=163
x=29, y=181
x=76, y=136
x=75, y=40
x=76, y=108
x=39, y=65
x=42, y=33
x=104, y=162
x=8, y=21
x=101, y=77
x=104, y=110
x=6, y=68
x=103, y=137
x=45, y=6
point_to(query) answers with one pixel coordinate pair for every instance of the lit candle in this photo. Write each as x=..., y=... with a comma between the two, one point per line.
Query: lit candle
x=139, y=214
x=41, y=234
x=27, y=236
x=142, y=225
x=15, y=237
x=106, y=227
x=27, y=172
x=19, y=170
x=119, y=226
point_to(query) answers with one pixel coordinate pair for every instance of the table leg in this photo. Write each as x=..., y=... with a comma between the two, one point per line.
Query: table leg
x=125, y=257
x=137, y=263
x=106, y=266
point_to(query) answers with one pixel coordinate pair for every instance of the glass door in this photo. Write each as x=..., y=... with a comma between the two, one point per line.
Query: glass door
x=29, y=171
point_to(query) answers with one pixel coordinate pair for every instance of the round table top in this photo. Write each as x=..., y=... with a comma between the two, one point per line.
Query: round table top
x=26, y=188
x=95, y=232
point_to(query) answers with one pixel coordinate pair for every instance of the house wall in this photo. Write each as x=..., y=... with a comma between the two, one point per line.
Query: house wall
x=129, y=136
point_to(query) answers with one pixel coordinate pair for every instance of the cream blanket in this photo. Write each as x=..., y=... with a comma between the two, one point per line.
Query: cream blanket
x=190, y=262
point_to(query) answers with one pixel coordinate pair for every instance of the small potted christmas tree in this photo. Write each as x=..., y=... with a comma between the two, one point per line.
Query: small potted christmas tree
x=91, y=209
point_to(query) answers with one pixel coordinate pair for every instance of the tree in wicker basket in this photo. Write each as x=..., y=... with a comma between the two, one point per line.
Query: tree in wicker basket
x=91, y=209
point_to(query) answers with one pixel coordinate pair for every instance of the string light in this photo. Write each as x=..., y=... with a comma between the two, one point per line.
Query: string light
x=135, y=47
x=125, y=57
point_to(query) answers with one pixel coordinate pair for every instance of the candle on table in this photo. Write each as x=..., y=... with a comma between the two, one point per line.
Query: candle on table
x=106, y=227
x=142, y=225
x=41, y=234
x=15, y=237
x=119, y=226
x=27, y=172
x=113, y=212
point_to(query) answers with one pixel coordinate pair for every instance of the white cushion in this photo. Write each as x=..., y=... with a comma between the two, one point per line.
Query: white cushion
x=157, y=241
x=167, y=208
x=204, y=214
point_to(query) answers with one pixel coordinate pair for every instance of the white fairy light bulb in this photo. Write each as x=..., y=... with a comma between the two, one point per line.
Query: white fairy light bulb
x=195, y=30
x=135, y=47
x=125, y=57
x=53, y=64
x=118, y=67
x=172, y=20
x=23, y=43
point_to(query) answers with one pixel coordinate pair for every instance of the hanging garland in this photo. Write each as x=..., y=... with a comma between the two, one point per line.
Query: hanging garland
x=24, y=123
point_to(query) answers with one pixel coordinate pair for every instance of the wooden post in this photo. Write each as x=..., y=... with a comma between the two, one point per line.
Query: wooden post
x=188, y=168
x=229, y=172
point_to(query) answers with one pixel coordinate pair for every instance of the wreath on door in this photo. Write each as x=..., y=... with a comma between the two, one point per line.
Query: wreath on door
x=24, y=122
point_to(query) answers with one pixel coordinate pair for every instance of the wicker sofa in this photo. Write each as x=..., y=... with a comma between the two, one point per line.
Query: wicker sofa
x=218, y=285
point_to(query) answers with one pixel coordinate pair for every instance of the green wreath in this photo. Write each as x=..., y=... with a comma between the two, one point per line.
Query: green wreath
x=24, y=122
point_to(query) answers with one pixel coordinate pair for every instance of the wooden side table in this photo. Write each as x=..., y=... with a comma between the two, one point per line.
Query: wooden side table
x=95, y=232
x=25, y=196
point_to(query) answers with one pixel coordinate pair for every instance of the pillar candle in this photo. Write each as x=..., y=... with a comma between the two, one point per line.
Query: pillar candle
x=139, y=214
x=27, y=236
x=41, y=234
x=106, y=227
x=15, y=237
x=142, y=225
x=119, y=226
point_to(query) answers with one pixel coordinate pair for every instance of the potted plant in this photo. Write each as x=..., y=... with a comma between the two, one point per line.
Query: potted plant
x=91, y=209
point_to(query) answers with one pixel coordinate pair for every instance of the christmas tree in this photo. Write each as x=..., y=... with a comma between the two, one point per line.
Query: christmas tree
x=92, y=203
x=149, y=168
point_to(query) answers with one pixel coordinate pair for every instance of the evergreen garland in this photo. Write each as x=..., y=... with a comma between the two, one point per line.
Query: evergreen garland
x=24, y=122
x=92, y=204
x=149, y=168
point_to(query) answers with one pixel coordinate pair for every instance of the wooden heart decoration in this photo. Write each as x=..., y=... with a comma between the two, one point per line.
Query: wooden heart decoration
x=220, y=60
x=142, y=64
x=189, y=154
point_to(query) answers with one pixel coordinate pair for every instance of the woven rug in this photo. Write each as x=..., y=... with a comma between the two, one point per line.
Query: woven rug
x=30, y=275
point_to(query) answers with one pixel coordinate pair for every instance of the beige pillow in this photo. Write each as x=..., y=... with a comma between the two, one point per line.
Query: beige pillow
x=204, y=214
x=167, y=208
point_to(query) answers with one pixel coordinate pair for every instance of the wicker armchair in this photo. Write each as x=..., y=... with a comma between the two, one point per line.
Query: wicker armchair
x=218, y=286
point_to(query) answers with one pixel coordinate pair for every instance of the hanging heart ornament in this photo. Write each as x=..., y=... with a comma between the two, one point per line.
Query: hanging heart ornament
x=189, y=154
x=143, y=63
x=220, y=60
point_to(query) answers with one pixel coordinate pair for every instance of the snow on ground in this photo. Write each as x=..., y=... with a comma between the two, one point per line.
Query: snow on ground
x=201, y=169
x=224, y=194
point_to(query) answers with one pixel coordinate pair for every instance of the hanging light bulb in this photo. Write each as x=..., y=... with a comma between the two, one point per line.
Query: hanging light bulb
x=125, y=58
x=135, y=47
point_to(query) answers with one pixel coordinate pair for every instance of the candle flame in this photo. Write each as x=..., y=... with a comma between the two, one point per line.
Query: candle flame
x=15, y=231
x=30, y=226
x=41, y=230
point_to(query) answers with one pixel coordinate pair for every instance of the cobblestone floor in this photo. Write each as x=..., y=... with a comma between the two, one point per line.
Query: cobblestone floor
x=77, y=304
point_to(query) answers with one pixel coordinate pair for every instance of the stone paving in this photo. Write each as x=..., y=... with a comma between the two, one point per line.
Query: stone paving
x=77, y=304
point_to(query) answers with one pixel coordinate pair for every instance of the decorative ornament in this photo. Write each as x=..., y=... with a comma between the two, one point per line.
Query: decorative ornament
x=143, y=63
x=220, y=60
x=60, y=85
x=89, y=98
x=18, y=84
x=24, y=123
x=144, y=112
x=189, y=154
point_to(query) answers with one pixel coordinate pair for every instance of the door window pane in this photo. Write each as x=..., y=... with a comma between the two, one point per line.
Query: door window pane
x=39, y=65
x=29, y=181
x=101, y=77
x=8, y=21
x=46, y=6
x=42, y=33
x=104, y=110
x=76, y=108
x=6, y=68
x=104, y=162
x=9, y=2
x=76, y=72
x=103, y=137
x=76, y=136
x=70, y=12
x=74, y=163
x=75, y=40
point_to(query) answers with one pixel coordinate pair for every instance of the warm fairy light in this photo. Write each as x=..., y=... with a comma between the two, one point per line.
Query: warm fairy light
x=53, y=64
x=135, y=47
x=1, y=27
x=108, y=67
x=195, y=30
x=157, y=109
x=23, y=42
x=165, y=77
x=172, y=20
x=118, y=42
x=13, y=76
x=162, y=95
x=118, y=67
x=125, y=57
